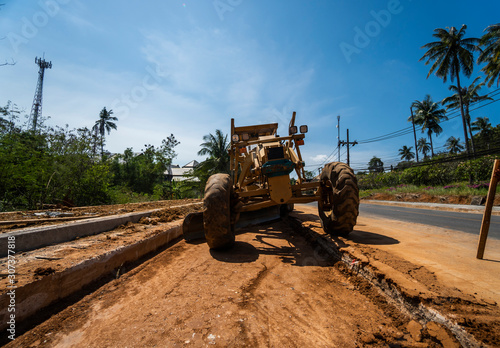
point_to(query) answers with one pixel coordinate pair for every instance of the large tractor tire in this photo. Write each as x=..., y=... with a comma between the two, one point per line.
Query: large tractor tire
x=219, y=231
x=338, y=206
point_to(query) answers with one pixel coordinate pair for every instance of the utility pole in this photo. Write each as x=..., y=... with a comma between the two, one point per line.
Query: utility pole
x=338, y=136
x=414, y=133
x=348, y=143
x=36, y=108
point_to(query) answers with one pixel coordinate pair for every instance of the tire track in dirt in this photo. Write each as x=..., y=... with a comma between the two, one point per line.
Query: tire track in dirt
x=272, y=289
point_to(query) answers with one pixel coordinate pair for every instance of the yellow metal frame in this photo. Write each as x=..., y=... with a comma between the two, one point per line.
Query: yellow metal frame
x=247, y=156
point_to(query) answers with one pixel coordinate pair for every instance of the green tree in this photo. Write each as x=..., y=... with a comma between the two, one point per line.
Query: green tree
x=104, y=124
x=428, y=115
x=9, y=115
x=216, y=147
x=451, y=55
x=50, y=166
x=309, y=175
x=453, y=145
x=375, y=165
x=470, y=95
x=483, y=126
x=491, y=54
x=143, y=172
x=406, y=153
x=423, y=146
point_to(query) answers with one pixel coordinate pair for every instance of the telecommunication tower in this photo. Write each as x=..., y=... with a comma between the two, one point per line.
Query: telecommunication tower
x=36, y=109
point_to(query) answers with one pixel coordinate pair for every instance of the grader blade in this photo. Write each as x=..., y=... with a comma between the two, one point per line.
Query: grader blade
x=256, y=217
x=192, y=227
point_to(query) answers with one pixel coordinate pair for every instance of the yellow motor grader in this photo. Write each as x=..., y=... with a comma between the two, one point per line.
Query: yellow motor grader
x=260, y=166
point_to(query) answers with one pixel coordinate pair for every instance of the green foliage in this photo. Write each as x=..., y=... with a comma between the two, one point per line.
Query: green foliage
x=479, y=169
x=431, y=175
x=216, y=147
x=428, y=115
x=376, y=165
x=50, y=166
x=491, y=54
x=309, y=174
x=102, y=125
x=144, y=171
x=488, y=139
x=60, y=166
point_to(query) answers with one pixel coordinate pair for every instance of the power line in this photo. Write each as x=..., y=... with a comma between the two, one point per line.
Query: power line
x=409, y=129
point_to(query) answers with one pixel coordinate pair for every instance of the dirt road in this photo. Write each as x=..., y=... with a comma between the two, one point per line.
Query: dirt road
x=274, y=289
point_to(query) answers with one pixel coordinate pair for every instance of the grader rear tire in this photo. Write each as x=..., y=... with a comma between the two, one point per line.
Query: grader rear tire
x=339, y=188
x=219, y=231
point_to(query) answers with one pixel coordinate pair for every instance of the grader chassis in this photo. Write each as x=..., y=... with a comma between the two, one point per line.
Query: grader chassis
x=260, y=167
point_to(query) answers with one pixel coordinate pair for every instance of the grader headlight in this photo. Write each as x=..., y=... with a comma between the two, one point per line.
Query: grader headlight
x=235, y=138
x=303, y=129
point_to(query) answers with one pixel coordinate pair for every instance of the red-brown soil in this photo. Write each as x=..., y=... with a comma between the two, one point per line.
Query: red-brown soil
x=22, y=219
x=274, y=289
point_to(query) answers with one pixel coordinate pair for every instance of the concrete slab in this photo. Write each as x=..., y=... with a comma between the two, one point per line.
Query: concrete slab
x=37, y=237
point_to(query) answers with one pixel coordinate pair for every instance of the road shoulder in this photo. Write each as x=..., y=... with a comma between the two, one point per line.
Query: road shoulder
x=432, y=266
x=474, y=209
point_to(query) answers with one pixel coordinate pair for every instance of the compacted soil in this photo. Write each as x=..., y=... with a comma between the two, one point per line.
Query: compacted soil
x=277, y=288
x=273, y=289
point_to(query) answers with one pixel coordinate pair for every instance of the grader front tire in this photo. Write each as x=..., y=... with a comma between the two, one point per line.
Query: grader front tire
x=340, y=193
x=219, y=231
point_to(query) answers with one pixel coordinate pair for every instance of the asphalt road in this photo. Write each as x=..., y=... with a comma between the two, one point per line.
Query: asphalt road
x=465, y=222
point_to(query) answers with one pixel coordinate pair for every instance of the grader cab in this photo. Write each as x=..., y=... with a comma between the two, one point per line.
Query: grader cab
x=261, y=162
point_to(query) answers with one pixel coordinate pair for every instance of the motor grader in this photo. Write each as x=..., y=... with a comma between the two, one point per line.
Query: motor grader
x=260, y=166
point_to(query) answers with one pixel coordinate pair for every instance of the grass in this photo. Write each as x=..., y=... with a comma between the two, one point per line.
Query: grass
x=457, y=189
x=122, y=195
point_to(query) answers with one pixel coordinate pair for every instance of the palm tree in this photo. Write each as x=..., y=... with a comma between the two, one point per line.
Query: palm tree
x=216, y=147
x=453, y=145
x=423, y=146
x=428, y=114
x=406, y=153
x=483, y=126
x=491, y=54
x=452, y=54
x=470, y=95
x=104, y=124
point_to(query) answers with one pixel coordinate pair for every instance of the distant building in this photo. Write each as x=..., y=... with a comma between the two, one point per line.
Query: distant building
x=176, y=173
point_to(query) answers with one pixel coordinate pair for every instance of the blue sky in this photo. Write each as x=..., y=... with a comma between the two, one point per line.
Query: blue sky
x=187, y=67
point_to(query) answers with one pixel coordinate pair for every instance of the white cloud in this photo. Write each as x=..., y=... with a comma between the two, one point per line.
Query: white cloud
x=190, y=84
x=319, y=159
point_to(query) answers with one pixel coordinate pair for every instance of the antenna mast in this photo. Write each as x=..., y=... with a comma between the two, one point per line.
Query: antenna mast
x=36, y=109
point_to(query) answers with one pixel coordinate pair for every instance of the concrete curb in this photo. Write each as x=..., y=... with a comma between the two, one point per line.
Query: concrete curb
x=35, y=296
x=475, y=209
x=38, y=237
